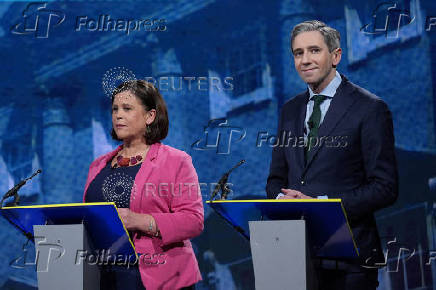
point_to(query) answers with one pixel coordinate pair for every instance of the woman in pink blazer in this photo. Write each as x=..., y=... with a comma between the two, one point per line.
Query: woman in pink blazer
x=156, y=190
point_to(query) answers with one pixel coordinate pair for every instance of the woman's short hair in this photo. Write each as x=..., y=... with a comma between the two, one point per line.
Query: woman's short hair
x=151, y=99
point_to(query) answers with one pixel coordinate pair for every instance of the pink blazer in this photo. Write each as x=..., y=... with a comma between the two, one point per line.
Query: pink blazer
x=166, y=187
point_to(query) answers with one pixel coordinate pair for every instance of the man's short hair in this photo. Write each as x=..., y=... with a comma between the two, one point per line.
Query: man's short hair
x=332, y=37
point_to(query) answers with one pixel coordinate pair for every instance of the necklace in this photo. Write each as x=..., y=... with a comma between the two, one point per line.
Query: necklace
x=127, y=161
x=122, y=161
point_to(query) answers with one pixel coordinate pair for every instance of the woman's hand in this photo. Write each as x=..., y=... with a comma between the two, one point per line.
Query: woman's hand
x=131, y=220
x=138, y=222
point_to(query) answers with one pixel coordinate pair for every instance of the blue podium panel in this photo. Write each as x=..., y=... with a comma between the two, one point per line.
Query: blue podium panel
x=328, y=230
x=101, y=220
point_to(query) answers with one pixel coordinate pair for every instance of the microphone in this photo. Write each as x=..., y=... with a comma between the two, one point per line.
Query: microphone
x=223, y=181
x=14, y=190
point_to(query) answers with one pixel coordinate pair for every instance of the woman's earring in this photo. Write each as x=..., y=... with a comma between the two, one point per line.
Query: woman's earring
x=147, y=129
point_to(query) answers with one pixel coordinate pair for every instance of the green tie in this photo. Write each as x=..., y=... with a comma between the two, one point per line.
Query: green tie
x=314, y=122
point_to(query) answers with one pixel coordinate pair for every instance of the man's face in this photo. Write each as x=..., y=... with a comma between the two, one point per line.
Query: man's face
x=312, y=59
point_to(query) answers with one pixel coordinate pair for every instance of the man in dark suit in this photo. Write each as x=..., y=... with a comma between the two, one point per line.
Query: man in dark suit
x=339, y=144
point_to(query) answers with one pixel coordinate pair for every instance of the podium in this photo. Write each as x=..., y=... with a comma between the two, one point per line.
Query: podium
x=72, y=241
x=286, y=234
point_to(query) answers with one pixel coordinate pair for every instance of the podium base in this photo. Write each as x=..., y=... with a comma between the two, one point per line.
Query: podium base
x=60, y=263
x=281, y=258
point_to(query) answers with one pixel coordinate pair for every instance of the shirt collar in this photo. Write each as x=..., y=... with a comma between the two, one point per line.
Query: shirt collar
x=331, y=88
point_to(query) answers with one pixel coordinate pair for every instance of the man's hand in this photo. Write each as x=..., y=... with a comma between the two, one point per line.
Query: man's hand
x=293, y=194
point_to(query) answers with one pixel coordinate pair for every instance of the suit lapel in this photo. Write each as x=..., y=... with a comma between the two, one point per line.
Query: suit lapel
x=339, y=106
x=142, y=177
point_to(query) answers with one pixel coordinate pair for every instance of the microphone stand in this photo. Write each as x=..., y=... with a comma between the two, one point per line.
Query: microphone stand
x=222, y=184
x=14, y=192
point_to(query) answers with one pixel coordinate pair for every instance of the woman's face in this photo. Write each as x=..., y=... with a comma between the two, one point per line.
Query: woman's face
x=129, y=117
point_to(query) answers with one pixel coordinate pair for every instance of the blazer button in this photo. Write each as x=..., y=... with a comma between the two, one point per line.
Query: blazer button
x=302, y=182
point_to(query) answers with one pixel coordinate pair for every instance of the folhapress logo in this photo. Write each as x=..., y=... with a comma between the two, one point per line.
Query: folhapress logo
x=38, y=20
x=387, y=19
x=218, y=135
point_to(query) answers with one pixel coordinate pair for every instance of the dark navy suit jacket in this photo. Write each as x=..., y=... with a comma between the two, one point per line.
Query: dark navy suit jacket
x=354, y=159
